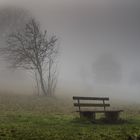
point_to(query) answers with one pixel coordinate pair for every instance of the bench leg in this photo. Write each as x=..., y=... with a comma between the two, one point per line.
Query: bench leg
x=112, y=116
x=88, y=115
x=94, y=116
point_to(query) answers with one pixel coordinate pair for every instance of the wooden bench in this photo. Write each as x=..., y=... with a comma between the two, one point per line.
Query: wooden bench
x=100, y=103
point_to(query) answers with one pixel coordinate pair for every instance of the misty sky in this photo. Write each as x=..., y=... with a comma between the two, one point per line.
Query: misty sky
x=89, y=31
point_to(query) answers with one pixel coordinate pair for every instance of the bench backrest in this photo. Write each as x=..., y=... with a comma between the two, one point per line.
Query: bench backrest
x=100, y=102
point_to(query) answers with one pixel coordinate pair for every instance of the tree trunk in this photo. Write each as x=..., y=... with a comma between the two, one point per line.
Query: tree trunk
x=49, y=79
x=37, y=82
x=42, y=83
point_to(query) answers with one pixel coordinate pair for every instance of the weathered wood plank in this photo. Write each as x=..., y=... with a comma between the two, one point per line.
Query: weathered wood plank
x=90, y=98
x=91, y=105
x=100, y=111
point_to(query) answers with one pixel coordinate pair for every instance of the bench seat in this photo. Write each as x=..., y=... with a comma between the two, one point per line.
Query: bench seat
x=99, y=111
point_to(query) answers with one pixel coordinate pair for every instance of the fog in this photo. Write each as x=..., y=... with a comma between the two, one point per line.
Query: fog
x=99, y=47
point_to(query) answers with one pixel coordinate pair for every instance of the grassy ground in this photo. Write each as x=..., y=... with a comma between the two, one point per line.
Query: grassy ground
x=39, y=118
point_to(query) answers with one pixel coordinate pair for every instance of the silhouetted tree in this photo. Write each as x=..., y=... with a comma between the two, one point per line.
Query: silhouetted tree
x=31, y=49
x=107, y=69
x=135, y=77
x=12, y=18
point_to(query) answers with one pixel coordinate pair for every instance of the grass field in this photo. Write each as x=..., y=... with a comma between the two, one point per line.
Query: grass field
x=24, y=117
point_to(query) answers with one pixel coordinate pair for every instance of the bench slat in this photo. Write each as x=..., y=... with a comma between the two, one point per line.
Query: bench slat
x=90, y=105
x=100, y=111
x=90, y=98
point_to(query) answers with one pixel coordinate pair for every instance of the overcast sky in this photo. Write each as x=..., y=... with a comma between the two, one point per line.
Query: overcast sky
x=88, y=31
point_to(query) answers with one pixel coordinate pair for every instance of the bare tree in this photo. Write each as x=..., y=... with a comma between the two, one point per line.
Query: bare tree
x=31, y=49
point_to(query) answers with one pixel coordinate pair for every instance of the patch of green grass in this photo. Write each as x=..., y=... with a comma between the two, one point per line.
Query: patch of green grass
x=41, y=118
x=61, y=127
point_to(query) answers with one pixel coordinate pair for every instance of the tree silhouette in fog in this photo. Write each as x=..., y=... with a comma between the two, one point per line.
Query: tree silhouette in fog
x=12, y=18
x=107, y=69
x=32, y=49
x=135, y=77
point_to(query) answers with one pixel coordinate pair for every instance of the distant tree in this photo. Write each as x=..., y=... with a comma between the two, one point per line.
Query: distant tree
x=135, y=77
x=12, y=18
x=30, y=48
x=107, y=69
